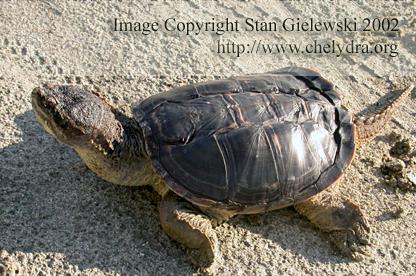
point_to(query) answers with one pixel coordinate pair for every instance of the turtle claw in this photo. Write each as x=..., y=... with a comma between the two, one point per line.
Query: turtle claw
x=204, y=256
x=204, y=248
x=354, y=243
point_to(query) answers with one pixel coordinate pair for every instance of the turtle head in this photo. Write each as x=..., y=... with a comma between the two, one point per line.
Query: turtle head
x=76, y=116
x=107, y=141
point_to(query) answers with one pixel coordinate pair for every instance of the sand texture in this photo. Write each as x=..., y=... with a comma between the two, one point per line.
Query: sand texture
x=59, y=218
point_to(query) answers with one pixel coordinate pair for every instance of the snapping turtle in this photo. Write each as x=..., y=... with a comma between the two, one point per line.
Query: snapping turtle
x=212, y=150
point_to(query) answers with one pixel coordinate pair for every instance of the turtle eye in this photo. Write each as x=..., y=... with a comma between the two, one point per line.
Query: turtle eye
x=59, y=120
x=51, y=101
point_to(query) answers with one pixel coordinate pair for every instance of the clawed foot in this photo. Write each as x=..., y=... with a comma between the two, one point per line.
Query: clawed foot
x=343, y=220
x=352, y=242
x=353, y=238
x=199, y=258
x=190, y=228
x=204, y=255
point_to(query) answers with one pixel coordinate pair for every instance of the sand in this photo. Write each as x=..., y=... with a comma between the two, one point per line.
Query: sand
x=58, y=218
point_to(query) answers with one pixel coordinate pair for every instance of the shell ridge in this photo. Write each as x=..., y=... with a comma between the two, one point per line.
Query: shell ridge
x=227, y=176
x=273, y=151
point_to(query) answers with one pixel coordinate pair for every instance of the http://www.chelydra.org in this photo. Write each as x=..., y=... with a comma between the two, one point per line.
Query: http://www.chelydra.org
x=212, y=150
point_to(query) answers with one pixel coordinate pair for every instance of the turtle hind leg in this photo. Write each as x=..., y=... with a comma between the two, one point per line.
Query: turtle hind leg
x=367, y=127
x=186, y=225
x=343, y=220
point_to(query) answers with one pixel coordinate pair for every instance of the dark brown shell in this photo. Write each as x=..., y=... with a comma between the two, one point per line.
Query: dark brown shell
x=249, y=143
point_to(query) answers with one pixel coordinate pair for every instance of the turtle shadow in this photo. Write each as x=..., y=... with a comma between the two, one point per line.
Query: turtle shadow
x=52, y=204
x=288, y=231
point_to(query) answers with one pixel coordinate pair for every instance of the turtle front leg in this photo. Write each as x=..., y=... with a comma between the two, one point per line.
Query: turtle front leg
x=186, y=225
x=343, y=220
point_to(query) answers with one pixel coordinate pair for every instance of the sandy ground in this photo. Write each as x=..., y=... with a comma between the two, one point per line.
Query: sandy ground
x=58, y=218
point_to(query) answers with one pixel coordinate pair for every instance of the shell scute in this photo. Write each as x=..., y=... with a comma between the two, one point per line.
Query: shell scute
x=255, y=142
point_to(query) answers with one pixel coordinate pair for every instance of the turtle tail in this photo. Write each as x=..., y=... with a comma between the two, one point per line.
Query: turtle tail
x=368, y=126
